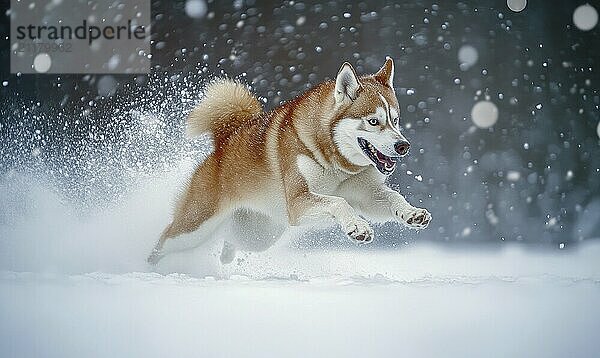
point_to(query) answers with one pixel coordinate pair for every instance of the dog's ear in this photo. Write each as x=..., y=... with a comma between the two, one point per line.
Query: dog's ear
x=346, y=83
x=385, y=75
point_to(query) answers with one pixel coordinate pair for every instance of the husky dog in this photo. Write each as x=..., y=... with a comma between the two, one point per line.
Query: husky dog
x=325, y=153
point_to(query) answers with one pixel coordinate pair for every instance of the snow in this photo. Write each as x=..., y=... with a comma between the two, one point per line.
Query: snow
x=585, y=17
x=513, y=175
x=42, y=62
x=76, y=284
x=516, y=5
x=196, y=8
x=467, y=57
x=107, y=86
x=484, y=114
x=418, y=301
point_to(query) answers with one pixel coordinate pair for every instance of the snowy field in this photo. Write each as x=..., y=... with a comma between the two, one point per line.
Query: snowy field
x=77, y=285
x=419, y=301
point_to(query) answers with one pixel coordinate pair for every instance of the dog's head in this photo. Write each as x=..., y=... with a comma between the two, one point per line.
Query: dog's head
x=366, y=130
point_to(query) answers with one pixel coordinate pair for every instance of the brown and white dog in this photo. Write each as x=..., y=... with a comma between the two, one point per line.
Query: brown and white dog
x=325, y=153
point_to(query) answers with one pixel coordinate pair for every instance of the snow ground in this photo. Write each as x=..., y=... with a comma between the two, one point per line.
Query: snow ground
x=422, y=300
x=76, y=284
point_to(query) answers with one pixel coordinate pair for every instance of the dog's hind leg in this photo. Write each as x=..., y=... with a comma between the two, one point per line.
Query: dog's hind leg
x=197, y=209
x=203, y=231
x=251, y=230
x=227, y=253
x=157, y=253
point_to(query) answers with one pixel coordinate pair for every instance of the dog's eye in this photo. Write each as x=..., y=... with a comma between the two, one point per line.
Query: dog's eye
x=373, y=121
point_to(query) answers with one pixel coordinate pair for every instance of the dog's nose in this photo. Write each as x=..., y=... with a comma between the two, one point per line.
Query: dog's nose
x=402, y=147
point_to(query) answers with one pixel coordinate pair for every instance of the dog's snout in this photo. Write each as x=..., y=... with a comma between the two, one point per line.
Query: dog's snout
x=402, y=147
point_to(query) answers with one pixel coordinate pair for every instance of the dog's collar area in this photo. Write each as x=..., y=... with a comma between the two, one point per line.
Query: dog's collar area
x=383, y=163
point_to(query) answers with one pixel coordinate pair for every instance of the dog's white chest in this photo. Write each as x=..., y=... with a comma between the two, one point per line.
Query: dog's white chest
x=319, y=179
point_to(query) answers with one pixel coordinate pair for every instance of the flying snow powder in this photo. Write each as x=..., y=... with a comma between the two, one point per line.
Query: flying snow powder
x=195, y=8
x=467, y=56
x=42, y=62
x=484, y=114
x=585, y=17
x=516, y=5
x=598, y=130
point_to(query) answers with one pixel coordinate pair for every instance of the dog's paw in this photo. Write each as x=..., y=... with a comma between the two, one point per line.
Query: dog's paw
x=360, y=231
x=412, y=217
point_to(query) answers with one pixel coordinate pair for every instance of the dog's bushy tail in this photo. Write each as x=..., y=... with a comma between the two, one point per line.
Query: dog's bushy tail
x=226, y=105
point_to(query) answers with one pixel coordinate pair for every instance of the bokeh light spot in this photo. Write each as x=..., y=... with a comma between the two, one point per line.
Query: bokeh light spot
x=516, y=5
x=484, y=114
x=195, y=8
x=467, y=56
x=585, y=17
x=42, y=62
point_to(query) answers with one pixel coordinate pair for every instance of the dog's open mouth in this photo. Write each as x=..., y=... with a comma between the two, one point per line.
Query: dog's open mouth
x=383, y=163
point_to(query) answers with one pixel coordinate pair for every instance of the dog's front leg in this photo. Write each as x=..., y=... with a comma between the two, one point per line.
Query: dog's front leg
x=368, y=192
x=315, y=205
x=302, y=204
x=403, y=211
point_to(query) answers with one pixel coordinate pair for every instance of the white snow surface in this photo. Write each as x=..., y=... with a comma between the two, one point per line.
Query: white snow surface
x=76, y=284
x=419, y=301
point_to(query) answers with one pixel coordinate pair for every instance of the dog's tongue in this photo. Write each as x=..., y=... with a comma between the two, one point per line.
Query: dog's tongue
x=384, y=160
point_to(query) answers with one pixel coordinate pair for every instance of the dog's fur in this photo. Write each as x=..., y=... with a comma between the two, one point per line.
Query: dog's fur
x=326, y=153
